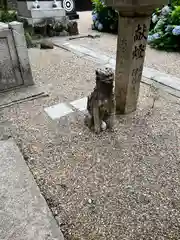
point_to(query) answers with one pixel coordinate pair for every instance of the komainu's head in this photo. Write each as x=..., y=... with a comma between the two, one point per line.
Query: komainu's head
x=105, y=76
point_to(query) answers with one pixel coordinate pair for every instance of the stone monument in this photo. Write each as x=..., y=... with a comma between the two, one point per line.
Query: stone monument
x=134, y=21
x=36, y=11
x=15, y=69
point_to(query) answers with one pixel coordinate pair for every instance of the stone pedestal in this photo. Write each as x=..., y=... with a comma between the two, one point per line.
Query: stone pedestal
x=36, y=11
x=45, y=9
x=132, y=37
x=134, y=21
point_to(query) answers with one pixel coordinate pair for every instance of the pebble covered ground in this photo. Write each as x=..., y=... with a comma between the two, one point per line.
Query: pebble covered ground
x=162, y=61
x=121, y=185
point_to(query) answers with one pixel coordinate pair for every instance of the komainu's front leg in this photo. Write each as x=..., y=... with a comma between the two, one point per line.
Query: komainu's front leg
x=112, y=109
x=97, y=121
x=88, y=120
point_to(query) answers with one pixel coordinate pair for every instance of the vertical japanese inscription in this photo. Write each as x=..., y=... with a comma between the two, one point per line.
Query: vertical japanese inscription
x=123, y=44
x=136, y=75
x=139, y=51
x=140, y=34
x=123, y=47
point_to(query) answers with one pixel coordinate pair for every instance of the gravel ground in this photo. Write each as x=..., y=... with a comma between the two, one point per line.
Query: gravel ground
x=122, y=185
x=160, y=60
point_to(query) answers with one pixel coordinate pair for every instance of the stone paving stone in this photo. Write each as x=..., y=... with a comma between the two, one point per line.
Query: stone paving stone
x=80, y=104
x=157, y=76
x=86, y=51
x=58, y=110
x=24, y=213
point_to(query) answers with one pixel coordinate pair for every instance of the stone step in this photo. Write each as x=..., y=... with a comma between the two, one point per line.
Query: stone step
x=24, y=213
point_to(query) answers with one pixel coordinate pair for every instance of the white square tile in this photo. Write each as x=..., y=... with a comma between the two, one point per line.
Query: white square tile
x=80, y=104
x=58, y=110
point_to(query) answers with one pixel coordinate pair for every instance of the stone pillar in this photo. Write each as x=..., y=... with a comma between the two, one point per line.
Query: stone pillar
x=134, y=21
x=131, y=45
x=22, y=52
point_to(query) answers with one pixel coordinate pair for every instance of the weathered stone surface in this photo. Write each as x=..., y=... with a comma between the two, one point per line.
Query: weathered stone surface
x=39, y=11
x=22, y=52
x=51, y=27
x=134, y=21
x=64, y=33
x=73, y=28
x=7, y=76
x=46, y=44
x=101, y=102
x=129, y=62
x=135, y=8
x=10, y=75
x=24, y=212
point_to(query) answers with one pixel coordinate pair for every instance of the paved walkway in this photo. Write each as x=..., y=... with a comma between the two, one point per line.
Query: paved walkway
x=24, y=214
x=167, y=62
x=170, y=83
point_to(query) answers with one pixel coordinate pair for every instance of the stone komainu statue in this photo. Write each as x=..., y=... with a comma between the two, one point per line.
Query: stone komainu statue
x=101, y=102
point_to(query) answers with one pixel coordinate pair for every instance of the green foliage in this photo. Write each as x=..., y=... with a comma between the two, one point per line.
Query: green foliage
x=175, y=16
x=98, y=5
x=176, y=2
x=28, y=38
x=8, y=16
x=165, y=29
x=104, y=18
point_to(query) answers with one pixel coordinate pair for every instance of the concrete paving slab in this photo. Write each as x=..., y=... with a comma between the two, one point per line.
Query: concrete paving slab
x=153, y=74
x=24, y=214
x=19, y=93
x=58, y=110
x=80, y=104
x=86, y=52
